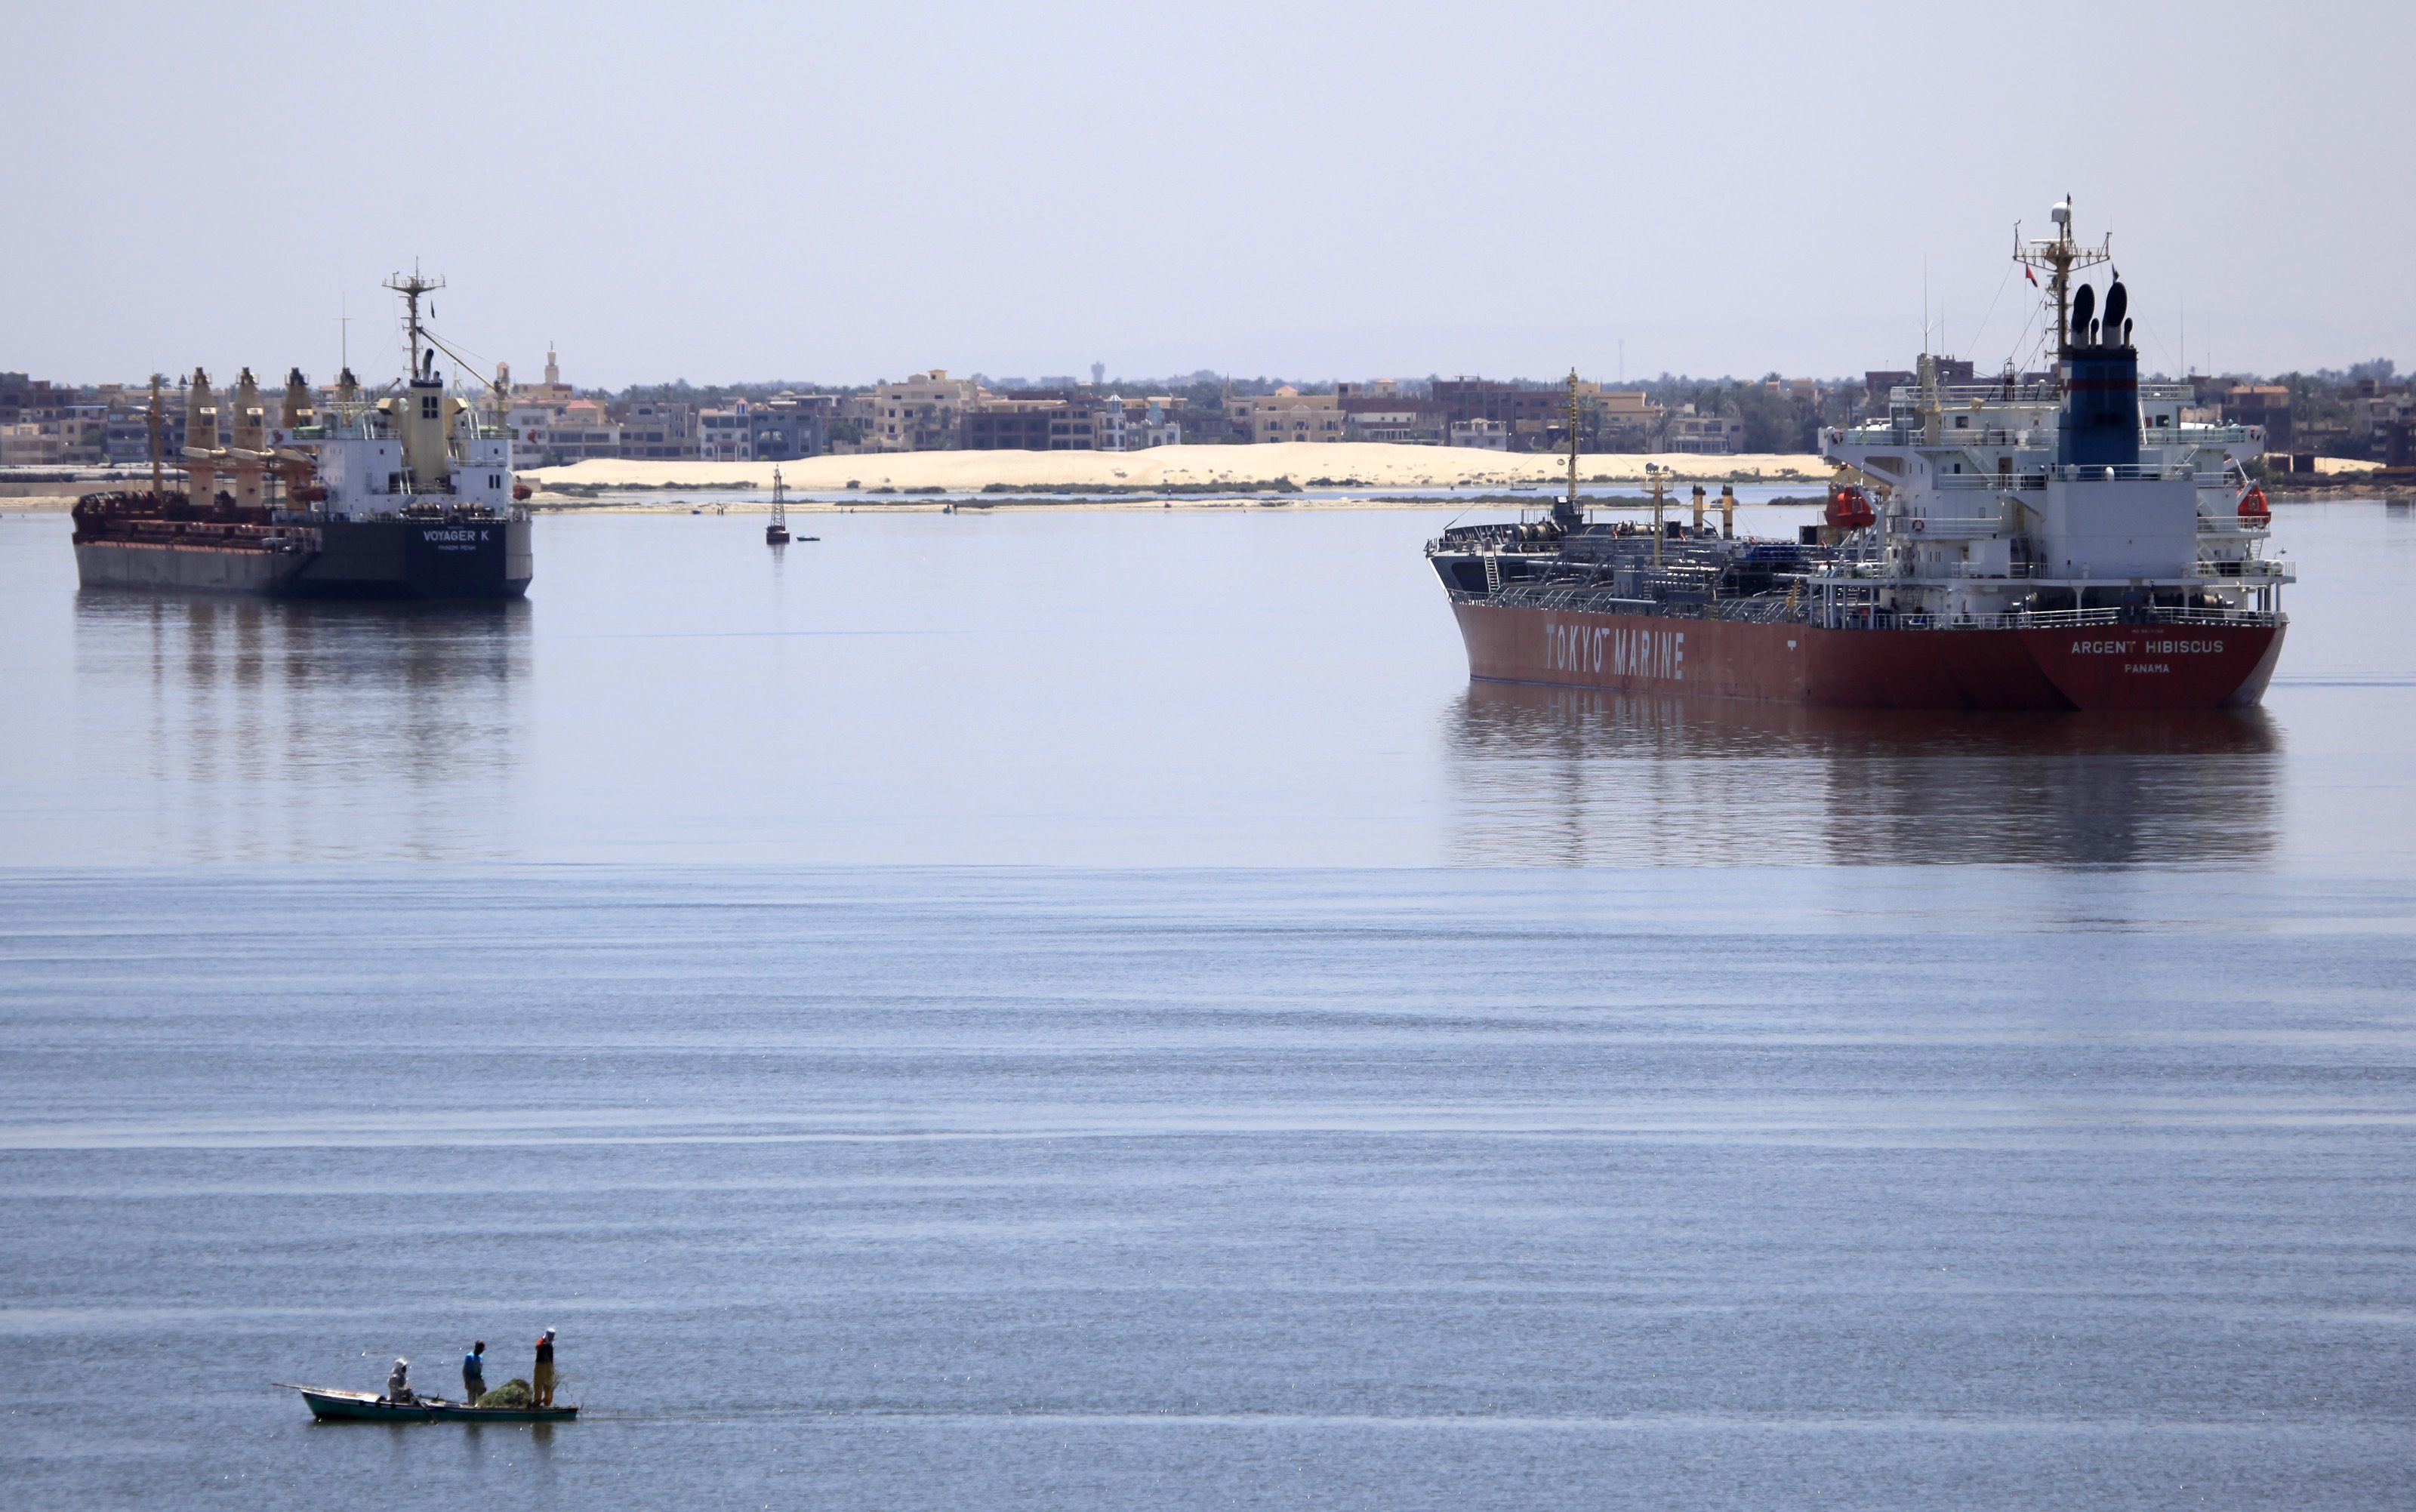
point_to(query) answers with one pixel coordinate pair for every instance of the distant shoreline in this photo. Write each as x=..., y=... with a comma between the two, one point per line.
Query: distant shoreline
x=1283, y=466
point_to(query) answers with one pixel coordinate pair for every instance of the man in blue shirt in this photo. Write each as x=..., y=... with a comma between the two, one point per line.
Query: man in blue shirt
x=474, y=1373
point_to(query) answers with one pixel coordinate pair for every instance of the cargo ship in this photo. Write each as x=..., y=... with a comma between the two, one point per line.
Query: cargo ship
x=2074, y=539
x=400, y=495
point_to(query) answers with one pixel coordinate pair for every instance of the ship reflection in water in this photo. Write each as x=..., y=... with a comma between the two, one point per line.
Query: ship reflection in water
x=1567, y=776
x=258, y=729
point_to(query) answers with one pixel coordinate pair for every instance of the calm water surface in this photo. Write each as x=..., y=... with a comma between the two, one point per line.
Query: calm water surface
x=1284, y=1075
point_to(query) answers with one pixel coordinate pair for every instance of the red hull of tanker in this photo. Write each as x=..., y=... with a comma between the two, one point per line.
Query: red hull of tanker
x=2100, y=667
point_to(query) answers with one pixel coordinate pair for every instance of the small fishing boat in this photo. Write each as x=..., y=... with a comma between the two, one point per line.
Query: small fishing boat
x=328, y=1405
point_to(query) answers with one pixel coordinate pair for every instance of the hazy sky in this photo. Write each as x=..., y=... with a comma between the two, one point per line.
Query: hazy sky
x=845, y=192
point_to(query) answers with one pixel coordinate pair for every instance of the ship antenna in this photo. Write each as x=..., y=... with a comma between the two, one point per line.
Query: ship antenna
x=410, y=289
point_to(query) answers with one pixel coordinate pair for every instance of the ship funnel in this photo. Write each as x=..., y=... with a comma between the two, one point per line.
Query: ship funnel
x=2084, y=304
x=2118, y=300
x=2099, y=426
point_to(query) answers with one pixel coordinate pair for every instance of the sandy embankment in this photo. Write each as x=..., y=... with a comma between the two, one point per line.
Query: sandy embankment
x=1358, y=464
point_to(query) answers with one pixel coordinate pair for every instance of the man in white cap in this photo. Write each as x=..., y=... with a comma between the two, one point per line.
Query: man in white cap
x=397, y=1385
x=541, y=1378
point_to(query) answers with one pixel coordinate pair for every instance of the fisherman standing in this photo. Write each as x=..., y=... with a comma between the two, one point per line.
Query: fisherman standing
x=541, y=1378
x=474, y=1373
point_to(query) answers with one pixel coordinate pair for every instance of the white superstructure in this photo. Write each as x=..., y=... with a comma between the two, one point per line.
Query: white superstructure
x=418, y=451
x=2005, y=502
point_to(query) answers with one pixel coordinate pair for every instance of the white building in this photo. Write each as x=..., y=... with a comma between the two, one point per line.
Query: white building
x=1158, y=427
x=726, y=436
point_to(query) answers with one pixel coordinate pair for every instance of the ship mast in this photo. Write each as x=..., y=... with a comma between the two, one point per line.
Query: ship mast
x=151, y=417
x=410, y=289
x=1568, y=514
x=2058, y=256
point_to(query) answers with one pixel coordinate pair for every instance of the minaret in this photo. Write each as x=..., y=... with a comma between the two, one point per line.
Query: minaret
x=552, y=369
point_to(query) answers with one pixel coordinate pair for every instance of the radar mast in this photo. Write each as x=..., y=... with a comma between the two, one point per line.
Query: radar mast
x=2058, y=256
x=411, y=288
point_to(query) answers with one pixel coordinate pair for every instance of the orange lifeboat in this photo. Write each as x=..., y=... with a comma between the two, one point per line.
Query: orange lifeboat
x=1849, y=508
x=2253, y=511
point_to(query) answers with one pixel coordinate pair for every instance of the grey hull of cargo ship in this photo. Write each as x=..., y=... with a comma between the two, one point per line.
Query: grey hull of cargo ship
x=162, y=565
x=415, y=559
x=454, y=559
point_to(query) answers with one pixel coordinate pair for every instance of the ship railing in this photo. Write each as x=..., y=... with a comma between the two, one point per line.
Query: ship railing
x=1946, y=528
x=1957, y=430
x=2041, y=392
x=2119, y=473
x=1963, y=394
x=2204, y=569
x=1910, y=432
x=1568, y=600
x=1770, y=609
x=1971, y=482
x=1468, y=537
x=1764, y=609
x=1949, y=434
x=1867, y=616
x=2248, y=566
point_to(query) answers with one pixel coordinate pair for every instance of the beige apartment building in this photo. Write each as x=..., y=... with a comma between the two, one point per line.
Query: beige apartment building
x=1628, y=418
x=546, y=434
x=1703, y=435
x=1288, y=414
x=920, y=415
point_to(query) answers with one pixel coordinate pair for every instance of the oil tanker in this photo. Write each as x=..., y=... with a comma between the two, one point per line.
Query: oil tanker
x=2072, y=541
x=402, y=494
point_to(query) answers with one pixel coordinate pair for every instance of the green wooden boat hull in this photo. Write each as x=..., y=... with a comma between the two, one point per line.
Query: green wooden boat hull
x=362, y=1406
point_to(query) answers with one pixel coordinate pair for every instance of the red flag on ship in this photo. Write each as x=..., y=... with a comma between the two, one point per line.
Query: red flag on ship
x=2028, y=274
